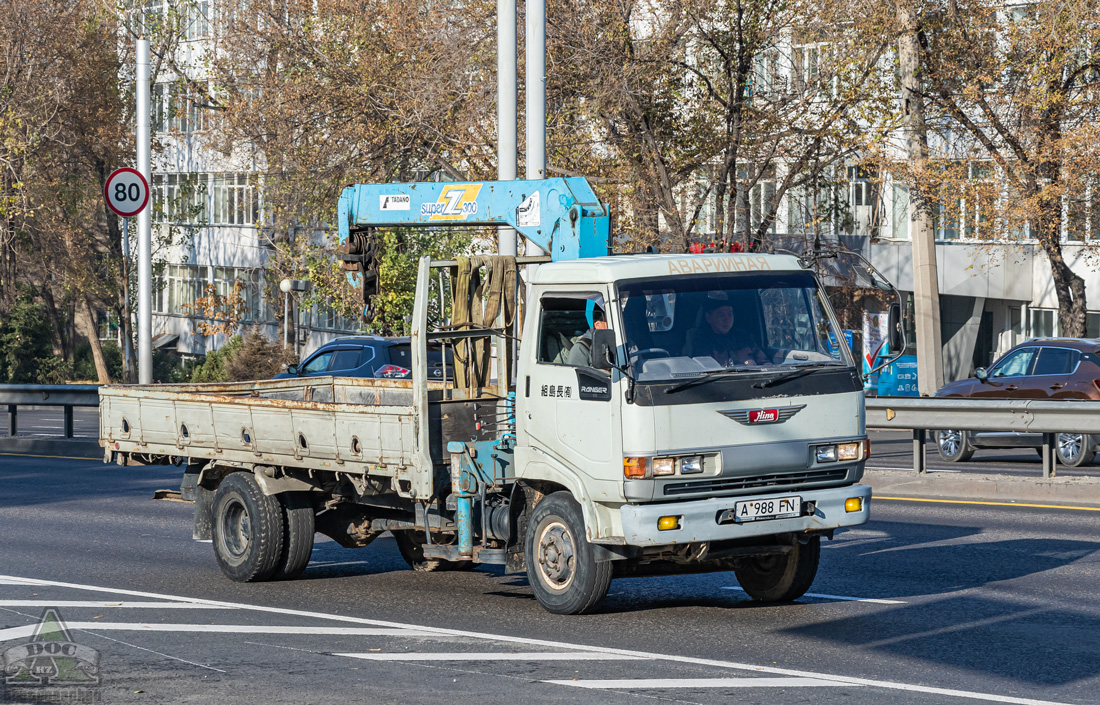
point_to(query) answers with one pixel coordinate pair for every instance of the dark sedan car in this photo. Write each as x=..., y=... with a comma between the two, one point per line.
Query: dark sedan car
x=367, y=356
x=1043, y=368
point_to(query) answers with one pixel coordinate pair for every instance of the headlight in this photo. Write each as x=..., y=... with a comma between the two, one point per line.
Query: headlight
x=664, y=466
x=848, y=451
x=826, y=454
x=691, y=464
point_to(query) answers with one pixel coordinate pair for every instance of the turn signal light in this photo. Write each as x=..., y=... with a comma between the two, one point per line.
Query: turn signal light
x=866, y=448
x=634, y=467
x=853, y=504
x=668, y=523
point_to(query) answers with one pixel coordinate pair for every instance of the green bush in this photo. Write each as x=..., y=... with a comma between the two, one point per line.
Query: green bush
x=251, y=356
x=84, y=363
x=212, y=368
x=26, y=345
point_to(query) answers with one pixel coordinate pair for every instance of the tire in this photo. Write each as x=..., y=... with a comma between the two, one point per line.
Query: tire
x=412, y=550
x=954, y=446
x=561, y=564
x=1073, y=449
x=780, y=578
x=248, y=529
x=298, y=536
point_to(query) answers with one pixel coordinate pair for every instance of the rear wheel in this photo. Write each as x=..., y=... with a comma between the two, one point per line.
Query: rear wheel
x=954, y=446
x=1073, y=449
x=412, y=550
x=248, y=529
x=298, y=537
x=561, y=564
x=780, y=578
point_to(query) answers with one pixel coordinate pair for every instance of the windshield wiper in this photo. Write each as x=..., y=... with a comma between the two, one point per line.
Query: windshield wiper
x=709, y=375
x=802, y=371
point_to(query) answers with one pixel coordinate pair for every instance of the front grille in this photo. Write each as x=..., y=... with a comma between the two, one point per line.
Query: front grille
x=728, y=484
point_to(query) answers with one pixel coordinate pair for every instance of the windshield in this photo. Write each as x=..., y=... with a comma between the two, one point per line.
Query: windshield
x=682, y=327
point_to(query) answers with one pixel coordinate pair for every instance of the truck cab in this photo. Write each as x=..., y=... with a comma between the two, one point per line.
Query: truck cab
x=724, y=412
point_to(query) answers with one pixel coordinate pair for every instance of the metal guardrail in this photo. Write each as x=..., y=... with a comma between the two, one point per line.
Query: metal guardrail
x=63, y=395
x=1021, y=415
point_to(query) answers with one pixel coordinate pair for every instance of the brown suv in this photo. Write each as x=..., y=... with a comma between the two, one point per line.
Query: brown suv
x=1043, y=368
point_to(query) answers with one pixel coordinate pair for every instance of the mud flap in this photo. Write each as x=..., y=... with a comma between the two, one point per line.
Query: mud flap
x=204, y=514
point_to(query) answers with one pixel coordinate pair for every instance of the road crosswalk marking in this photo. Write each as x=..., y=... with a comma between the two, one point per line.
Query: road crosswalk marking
x=491, y=656
x=28, y=630
x=665, y=683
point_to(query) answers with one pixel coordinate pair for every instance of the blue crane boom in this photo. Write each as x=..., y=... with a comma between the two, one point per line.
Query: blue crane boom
x=563, y=216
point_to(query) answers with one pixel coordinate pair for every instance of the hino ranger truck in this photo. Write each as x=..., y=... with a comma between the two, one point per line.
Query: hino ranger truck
x=609, y=417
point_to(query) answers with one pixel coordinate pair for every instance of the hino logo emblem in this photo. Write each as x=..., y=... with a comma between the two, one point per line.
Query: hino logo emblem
x=749, y=417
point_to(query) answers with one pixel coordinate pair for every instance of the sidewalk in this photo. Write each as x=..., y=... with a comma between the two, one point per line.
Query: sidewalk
x=976, y=487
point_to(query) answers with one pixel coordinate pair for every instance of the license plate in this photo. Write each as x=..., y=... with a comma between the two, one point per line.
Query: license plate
x=760, y=509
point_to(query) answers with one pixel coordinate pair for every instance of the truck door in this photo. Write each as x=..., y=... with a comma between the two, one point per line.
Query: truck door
x=572, y=407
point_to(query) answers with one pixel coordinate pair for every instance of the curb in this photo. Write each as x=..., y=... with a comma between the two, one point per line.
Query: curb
x=1065, y=491
x=56, y=447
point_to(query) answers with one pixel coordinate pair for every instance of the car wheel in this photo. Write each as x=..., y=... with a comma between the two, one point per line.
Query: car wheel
x=248, y=529
x=780, y=578
x=561, y=564
x=954, y=446
x=1073, y=449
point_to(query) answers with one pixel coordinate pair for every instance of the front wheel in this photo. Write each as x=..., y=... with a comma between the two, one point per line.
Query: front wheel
x=561, y=564
x=1073, y=449
x=954, y=446
x=248, y=529
x=780, y=578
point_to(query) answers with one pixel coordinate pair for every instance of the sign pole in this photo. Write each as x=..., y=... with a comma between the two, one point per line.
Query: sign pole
x=145, y=240
x=128, y=343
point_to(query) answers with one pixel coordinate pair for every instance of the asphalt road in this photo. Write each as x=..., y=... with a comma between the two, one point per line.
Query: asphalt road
x=926, y=604
x=50, y=421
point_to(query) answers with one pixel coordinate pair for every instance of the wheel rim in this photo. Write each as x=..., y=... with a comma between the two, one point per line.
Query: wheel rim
x=236, y=528
x=1069, y=445
x=557, y=556
x=950, y=442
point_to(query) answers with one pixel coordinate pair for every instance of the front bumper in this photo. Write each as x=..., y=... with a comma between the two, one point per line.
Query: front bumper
x=699, y=518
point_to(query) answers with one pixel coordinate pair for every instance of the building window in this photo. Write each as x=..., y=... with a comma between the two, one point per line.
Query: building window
x=1044, y=324
x=236, y=200
x=182, y=284
x=899, y=211
x=179, y=198
x=1092, y=325
x=179, y=107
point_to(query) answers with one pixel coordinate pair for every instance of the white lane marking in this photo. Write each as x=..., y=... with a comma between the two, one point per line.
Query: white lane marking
x=849, y=680
x=490, y=656
x=28, y=630
x=102, y=603
x=663, y=683
x=845, y=598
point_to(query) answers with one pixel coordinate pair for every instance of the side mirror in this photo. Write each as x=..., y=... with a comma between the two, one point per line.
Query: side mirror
x=893, y=326
x=981, y=374
x=292, y=370
x=603, y=349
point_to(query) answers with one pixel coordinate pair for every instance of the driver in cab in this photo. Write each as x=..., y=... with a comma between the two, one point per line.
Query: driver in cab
x=717, y=338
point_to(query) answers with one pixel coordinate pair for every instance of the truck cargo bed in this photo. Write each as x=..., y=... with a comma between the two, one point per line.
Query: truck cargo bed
x=350, y=425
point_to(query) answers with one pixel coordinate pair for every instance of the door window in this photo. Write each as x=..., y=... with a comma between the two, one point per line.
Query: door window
x=1056, y=361
x=563, y=322
x=1015, y=364
x=318, y=363
x=345, y=359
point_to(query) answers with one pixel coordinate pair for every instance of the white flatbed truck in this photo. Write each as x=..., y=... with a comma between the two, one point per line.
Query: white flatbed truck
x=659, y=456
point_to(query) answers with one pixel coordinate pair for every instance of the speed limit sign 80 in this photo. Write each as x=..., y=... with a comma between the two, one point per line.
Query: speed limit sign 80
x=127, y=192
